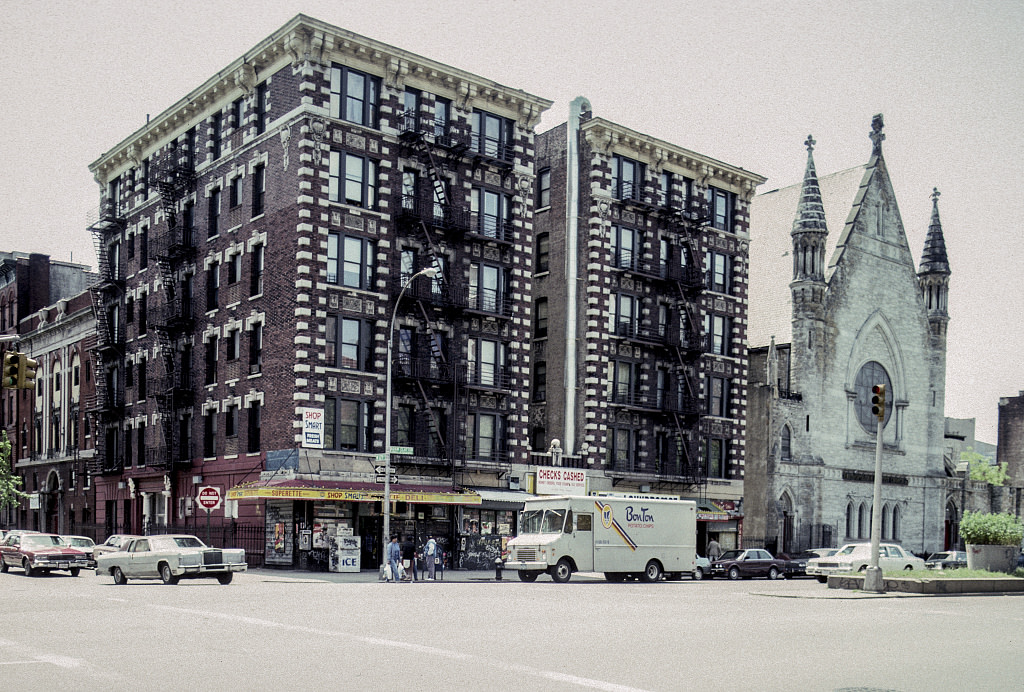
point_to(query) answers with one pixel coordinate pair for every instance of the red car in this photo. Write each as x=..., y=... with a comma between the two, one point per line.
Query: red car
x=40, y=552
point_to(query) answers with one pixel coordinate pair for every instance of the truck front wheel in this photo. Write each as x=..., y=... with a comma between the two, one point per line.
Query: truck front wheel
x=527, y=576
x=652, y=572
x=562, y=571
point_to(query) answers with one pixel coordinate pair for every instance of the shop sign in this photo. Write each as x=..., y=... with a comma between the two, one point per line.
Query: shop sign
x=561, y=481
x=313, y=428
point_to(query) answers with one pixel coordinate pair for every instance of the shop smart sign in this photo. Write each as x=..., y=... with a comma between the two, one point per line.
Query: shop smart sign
x=313, y=428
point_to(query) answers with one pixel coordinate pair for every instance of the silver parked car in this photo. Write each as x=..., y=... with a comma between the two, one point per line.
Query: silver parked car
x=854, y=557
x=170, y=558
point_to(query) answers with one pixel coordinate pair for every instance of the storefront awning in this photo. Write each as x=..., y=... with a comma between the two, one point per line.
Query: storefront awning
x=709, y=511
x=500, y=498
x=345, y=491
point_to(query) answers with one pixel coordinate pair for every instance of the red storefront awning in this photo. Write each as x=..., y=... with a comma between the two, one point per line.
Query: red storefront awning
x=347, y=491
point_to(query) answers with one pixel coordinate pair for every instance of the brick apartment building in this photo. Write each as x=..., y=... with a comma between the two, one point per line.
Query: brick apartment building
x=45, y=305
x=639, y=359
x=252, y=242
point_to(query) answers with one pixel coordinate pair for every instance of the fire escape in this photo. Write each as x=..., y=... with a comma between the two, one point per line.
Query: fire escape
x=174, y=253
x=680, y=338
x=106, y=406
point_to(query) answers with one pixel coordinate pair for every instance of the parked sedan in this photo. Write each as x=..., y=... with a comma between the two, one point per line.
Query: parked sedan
x=701, y=567
x=170, y=558
x=753, y=562
x=796, y=564
x=950, y=559
x=113, y=543
x=83, y=543
x=854, y=557
x=40, y=552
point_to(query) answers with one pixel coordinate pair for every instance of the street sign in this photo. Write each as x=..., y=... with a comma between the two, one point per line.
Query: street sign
x=380, y=470
x=380, y=479
x=402, y=450
x=209, y=497
x=381, y=457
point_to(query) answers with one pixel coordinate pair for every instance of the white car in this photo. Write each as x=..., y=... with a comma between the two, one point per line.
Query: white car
x=170, y=558
x=855, y=557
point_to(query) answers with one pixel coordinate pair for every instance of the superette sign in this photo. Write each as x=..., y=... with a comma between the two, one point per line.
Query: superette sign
x=553, y=481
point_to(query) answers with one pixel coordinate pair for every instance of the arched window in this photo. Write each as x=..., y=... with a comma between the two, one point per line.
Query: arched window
x=849, y=521
x=885, y=522
x=862, y=521
x=786, y=452
x=896, y=523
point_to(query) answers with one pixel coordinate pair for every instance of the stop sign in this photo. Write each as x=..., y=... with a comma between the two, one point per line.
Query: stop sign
x=209, y=497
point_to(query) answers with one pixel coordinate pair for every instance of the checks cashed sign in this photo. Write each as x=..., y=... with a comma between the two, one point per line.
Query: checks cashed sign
x=555, y=481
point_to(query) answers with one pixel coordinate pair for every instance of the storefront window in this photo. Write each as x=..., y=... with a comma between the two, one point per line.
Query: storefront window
x=487, y=522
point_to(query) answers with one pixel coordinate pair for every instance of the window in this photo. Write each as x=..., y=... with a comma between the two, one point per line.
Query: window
x=623, y=313
x=442, y=112
x=235, y=191
x=540, y=381
x=209, y=434
x=349, y=343
x=491, y=213
x=540, y=318
x=259, y=182
x=143, y=313
x=232, y=344
x=623, y=446
x=256, y=258
x=717, y=327
x=718, y=397
x=719, y=271
x=216, y=123
x=213, y=286
x=626, y=247
x=492, y=135
x=353, y=180
x=720, y=205
x=143, y=248
x=253, y=426
x=231, y=421
x=350, y=261
x=786, y=451
x=870, y=374
x=213, y=215
x=896, y=524
x=234, y=268
x=665, y=190
x=188, y=223
x=256, y=348
x=543, y=259
x=410, y=111
x=410, y=184
x=142, y=379
x=129, y=310
x=131, y=251
x=544, y=188
x=354, y=96
x=211, y=361
x=145, y=179
x=185, y=437
x=487, y=288
x=261, y=108
x=237, y=113
x=627, y=178
x=140, y=440
x=487, y=362
x=716, y=456
x=624, y=377
x=347, y=425
x=485, y=436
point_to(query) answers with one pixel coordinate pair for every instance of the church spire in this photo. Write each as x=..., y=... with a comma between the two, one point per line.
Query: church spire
x=809, y=228
x=933, y=275
x=934, y=259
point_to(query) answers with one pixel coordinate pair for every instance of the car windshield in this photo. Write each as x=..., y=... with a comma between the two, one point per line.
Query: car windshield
x=848, y=549
x=731, y=555
x=188, y=542
x=941, y=556
x=543, y=521
x=40, y=541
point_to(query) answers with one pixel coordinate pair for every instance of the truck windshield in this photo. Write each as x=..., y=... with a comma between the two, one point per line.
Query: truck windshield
x=543, y=521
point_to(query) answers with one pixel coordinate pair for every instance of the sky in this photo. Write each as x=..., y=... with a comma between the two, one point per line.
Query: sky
x=743, y=81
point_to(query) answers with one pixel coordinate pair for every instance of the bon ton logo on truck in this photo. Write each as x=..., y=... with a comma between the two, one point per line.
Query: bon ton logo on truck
x=623, y=537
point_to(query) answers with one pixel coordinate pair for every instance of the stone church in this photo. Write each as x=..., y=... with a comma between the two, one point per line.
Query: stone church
x=837, y=305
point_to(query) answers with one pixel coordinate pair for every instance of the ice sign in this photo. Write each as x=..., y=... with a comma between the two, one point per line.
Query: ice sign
x=313, y=428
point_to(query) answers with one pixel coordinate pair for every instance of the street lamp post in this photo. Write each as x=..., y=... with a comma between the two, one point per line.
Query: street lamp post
x=430, y=273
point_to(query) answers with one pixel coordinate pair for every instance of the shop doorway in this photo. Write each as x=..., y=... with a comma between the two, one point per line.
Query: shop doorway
x=370, y=529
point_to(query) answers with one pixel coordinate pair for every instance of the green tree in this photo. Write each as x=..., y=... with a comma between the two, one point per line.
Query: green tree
x=9, y=493
x=981, y=469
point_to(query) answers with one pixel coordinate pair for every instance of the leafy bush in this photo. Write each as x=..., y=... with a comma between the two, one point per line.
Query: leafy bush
x=979, y=528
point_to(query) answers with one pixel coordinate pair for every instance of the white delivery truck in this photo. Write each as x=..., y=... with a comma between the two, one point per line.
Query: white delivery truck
x=624, y=537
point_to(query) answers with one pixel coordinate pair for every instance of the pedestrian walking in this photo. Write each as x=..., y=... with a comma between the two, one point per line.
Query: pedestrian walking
x=431, y=555
x=409, y=558
x=394, y=558
x=714, y=550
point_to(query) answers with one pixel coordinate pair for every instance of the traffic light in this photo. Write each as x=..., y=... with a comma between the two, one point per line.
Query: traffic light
x=27, y=372
x=878, y=401
x=12, y=362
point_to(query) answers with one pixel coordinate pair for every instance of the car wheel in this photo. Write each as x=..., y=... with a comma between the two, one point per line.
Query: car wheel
x=698, y=574
x=3, y=566
x=527, y=576
x=908, y=568
x=862, y=568
x=119, y=577
x=734, y=573
x=75, y=571
x=225, y=578
x=822, y=579
x=562, y=571
x=28, y=568
x=773, y=574
x=166, y=576
x=652, y=572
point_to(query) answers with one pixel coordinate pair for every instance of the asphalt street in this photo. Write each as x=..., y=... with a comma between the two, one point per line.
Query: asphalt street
x=292, y=630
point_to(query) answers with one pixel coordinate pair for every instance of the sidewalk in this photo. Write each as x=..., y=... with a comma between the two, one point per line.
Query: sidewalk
x=369, y=576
